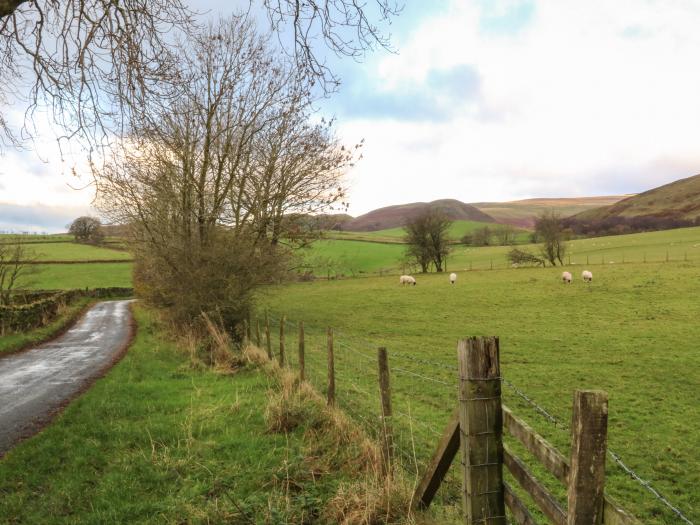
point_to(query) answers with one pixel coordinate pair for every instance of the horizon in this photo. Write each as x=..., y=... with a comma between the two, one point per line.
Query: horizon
x=496, y=102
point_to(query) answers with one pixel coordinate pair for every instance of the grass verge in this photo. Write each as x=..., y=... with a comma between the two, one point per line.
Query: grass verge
x=158, y=440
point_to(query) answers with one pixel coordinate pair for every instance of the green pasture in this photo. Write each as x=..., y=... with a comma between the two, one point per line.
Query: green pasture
x=396, y=235
x=77, y=275
x=357, y=257
x=70, y=251
x=633, y=332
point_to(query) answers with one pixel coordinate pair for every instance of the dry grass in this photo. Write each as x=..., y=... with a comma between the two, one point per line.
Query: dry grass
x=333, y=443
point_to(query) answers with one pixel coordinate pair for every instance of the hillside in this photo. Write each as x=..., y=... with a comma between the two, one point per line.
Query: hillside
x=397, y=216
x=522, y=213
x=679, y=200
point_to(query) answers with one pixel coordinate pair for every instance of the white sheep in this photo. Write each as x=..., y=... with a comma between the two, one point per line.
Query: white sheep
x=407, y=279
x=453, y=278
x=587, y=276
x=566, y=277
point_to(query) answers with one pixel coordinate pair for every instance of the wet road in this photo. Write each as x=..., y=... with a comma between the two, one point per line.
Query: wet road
x=37, y=382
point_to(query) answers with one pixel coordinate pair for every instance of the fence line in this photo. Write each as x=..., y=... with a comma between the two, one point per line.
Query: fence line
x=347, y=401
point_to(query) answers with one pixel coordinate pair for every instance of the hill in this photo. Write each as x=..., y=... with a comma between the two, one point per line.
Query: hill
x=679, y=200
x=397, y=216
x=522, y=213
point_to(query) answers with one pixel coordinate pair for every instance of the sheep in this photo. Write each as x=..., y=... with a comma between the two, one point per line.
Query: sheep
x=587, y=276
x=407, y=279
x=453, y=278
x=566, y=277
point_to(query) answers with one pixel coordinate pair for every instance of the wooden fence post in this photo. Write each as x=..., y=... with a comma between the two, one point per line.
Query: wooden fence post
x=385, y=394
x=481, y=427
x=280, y=357
x=246, y=331
x=258, y=340
x=331, y=369
x=302, y=362
x=589, y=424
x=268, y=342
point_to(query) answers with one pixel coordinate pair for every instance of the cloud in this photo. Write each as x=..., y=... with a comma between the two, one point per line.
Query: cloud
x=570, y=102
x=38, y=218
x=433, y=99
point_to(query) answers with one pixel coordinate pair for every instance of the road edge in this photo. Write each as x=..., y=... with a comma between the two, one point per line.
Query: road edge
x=39, y=424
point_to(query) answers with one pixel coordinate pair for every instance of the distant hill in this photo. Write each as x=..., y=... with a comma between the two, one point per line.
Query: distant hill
x=522, y=213
x=397, y=216
x=679, y=200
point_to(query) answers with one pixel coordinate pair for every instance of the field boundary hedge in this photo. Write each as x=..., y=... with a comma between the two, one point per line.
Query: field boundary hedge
x=26, y=314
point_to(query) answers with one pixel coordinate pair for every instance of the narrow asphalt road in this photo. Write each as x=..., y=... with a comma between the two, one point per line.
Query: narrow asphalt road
x=37, y=382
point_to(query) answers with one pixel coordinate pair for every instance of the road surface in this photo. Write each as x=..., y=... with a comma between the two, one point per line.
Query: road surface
x=34, y=384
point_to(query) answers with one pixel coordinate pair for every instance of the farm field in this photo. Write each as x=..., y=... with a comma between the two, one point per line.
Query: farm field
x=69, y=251
x=396, y=235
x=77, y=275
x=633, y=332
x=356, y=257
x=90, y=270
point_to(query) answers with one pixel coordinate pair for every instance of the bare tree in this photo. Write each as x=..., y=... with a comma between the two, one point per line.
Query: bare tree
x=87, y=229
x=348, y=28
x=505, y=233
x=517, y=257
x=88, y=61
x=208, y=180
x=428, y=238
x=297, y=172
x=550, y=231
x=14, y=263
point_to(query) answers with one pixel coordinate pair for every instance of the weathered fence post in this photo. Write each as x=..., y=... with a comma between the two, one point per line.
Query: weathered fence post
x=246, y=332
x=331, y=369
x=257, y=332
x=589, y=424
x=481, y=427
x=268, y=341
x=280, y=357
x=302, y=362
x=385, y=394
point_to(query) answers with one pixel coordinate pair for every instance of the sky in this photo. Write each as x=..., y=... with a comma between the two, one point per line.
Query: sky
x=481, y=101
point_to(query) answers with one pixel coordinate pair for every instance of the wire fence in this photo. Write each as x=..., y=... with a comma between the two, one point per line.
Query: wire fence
x=424, y=394
x=462, y=261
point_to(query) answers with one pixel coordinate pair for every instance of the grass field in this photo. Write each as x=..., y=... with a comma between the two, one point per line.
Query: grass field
x=69, y=251
x=89, y=271
x=157, y=441
x=633, y=332
x=396, y=235
x=356, y=257
x=80, y=275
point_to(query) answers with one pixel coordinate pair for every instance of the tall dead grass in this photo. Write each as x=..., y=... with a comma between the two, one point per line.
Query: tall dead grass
x=333, y=443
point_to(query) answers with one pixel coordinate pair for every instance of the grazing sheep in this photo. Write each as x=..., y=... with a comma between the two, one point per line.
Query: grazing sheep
x=587, y=276
x=566, y=277
x=453, y=278
x=407, y=279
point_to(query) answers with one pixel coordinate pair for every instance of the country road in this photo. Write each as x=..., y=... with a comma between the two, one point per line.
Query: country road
x=35, y=383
